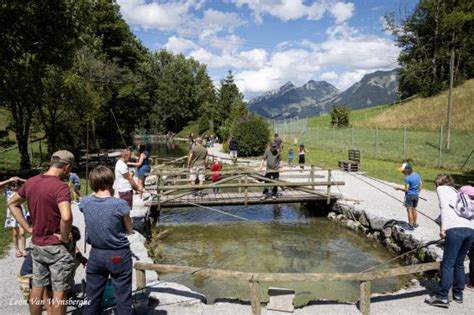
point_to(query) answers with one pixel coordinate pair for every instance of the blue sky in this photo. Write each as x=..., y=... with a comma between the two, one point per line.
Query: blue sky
x=269, y=42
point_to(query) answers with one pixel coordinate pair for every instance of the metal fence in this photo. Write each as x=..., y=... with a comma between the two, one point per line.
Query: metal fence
x=422, y=147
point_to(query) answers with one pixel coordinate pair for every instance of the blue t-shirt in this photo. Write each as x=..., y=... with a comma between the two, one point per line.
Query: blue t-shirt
x=104, y=221
x=74, y=179
x=413, y=181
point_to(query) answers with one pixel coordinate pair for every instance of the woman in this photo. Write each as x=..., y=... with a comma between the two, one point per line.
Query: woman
x=107, y=222
x=143, y=166
x=458, y=233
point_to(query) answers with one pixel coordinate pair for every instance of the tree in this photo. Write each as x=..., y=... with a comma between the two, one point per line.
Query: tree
x=427, y=37
x=35, y=35
x=228, y=95
x=340, y=116
x=253, y=136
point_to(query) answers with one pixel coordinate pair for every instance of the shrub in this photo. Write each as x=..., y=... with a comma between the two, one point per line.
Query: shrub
x=253, y=136
x=340, y=116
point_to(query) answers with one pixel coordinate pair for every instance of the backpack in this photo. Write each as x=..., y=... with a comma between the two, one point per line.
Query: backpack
x=464, y=206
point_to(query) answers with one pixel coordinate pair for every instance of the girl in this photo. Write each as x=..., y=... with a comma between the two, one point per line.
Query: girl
x=9, y=187
x=216, y=167
x=107, y=222
x=301, y=157
x=291, y=157
x=143, y=166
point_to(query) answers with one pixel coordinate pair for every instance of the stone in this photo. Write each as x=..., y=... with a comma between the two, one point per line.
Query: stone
x=363, y=220
x=387, y=232
x=376, y=222
x=340, y=217
x=332, y=216
x=377, y=235
x=281, y=300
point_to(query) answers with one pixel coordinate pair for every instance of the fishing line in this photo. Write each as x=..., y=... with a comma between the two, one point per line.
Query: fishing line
x=384, y=183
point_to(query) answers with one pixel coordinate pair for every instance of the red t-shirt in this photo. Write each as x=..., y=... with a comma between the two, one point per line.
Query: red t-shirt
x=43, y=194
x=216, y=168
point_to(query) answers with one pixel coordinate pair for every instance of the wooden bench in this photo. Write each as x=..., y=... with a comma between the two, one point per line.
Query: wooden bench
x=353, y=162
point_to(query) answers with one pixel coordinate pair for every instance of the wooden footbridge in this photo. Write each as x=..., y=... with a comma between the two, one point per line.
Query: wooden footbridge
x=241, y=186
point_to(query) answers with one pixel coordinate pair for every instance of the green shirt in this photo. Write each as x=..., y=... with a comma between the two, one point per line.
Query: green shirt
x=273, y=161
x=199, y=154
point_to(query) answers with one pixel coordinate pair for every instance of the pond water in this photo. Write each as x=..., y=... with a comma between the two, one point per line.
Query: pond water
x=277, y=238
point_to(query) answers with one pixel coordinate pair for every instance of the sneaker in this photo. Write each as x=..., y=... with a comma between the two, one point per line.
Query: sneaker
x=458, y=299
x=415, y=225
x=263, y=197
x=274, y=197
x=434, y=301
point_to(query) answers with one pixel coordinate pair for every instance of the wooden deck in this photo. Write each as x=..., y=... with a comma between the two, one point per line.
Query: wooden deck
x=237, y=199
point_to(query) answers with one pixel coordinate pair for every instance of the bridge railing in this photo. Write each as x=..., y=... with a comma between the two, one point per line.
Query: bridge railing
x=364, y=278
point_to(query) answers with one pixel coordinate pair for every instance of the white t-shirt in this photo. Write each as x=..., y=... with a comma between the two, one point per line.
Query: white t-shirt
x=121, y=183
x=449, y=219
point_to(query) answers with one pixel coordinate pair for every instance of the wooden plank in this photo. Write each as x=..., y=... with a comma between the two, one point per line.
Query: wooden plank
x=255, y=297
x=141, y=278
x=364, y=301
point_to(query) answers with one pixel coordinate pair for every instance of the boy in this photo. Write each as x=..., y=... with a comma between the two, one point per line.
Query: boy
x=412, y=190
x=75, y=184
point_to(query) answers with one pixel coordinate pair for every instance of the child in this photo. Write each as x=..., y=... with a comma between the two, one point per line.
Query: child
x=301, y=157
x=9, y=187
x=291, y=157
x=75, y=184
x=216, y=167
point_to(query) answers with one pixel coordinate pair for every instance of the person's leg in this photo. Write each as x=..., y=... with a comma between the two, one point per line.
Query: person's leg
x=37, y=300
x=15, y=240
x=62, y=266
x=40, y=280
x=265, y=189
x=471, y=264
x=453, y=242
x=121, y=274
x=275, y=176
x=22, y=238
x=414, y=217
x=459, y=276
x=140, y=185
x=96, y=279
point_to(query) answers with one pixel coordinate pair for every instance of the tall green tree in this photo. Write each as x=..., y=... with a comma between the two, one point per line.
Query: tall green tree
x=427, y=37
x=35, y=36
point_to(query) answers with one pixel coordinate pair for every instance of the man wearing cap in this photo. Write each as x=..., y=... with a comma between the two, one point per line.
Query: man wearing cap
x=273, y=159
x=197, y=161
x=412, y=190
x=49, y=202
x=124, y=183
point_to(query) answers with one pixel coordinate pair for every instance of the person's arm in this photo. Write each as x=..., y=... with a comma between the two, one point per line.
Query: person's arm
x=11, y=180
x=189, y=159
x=420, y=186
x=130, y=179
x=65, y=225
x=140, y=161
x=127, y=222
x=205, y=160
x=14, y=204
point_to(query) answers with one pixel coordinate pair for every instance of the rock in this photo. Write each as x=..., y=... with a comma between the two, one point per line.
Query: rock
x=280, y=300
x=377, y=235
x=363, y=220
x=340, y=217
x=376, y=222
x=387, y=232
x=363, y=229
x=352, y=225
x=332, y=216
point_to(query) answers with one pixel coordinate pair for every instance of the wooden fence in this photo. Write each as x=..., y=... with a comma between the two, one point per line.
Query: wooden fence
x=364, y=279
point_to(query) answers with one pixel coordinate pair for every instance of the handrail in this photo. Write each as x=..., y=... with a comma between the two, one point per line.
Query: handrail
x=255, y=277
x=249, y=185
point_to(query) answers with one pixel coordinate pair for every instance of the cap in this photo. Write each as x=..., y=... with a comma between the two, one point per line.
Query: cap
x=217, y=159
x=64, y=156
x=405, y=166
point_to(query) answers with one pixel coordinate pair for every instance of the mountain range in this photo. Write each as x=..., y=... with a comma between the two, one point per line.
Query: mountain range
x=317, y=97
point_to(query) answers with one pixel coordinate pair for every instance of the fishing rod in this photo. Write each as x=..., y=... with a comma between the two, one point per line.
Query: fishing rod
x=400, y=256
x=386, y=184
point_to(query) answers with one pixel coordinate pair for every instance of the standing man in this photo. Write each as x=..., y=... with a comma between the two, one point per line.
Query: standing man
x=124, y=182
x=233, y=149
x=49, y=202
x=197, y=162
x=273, y=159
x=412, y=190
x=278, y=142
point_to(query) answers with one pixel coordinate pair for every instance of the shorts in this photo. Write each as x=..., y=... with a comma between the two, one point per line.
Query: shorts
x=233, y=154
x=53, y=265
x=411, y=201
x=77, y=187
x=127, y=196
x=143, y=171
x=197, y=172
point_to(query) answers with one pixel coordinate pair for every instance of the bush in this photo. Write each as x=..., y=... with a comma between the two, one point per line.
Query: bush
x=253, y=136
x=203, y=125
x=340, y=116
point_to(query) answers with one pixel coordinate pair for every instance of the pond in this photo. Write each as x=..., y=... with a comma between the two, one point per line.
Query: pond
x=278, y=238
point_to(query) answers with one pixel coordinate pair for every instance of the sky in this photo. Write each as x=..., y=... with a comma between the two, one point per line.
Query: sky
x=267, y=43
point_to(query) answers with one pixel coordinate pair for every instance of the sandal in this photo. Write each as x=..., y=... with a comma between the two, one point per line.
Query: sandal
x=18, y=254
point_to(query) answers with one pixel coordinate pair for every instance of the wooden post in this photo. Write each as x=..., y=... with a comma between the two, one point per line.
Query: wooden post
x=246, y=191
x=160, y=183
x=450, y=100
x=240, y=183
x=440, y=145
x=352, y=138
x=333, y=138
x=364, y=302
x=254, y=297
x=312, y=175
x=376, y=141
x=404, y=142
x=317, y=137
x=329, y=187
x=141, y=278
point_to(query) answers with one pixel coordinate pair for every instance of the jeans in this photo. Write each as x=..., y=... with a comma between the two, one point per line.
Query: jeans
x=471, y=264
x=457, y=243
x=274, y=176
x=116, y=263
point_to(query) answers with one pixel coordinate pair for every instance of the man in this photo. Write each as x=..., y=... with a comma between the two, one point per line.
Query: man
x=273, y=159
x=412, y=190
x=197, y=162
x=233, y=149
x=278, y=142
x=124, y=182
x=49, y=203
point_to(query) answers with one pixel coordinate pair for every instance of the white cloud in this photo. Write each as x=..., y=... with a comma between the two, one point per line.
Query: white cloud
x=342, y=11
x=329, y=76
x=346, y=79
x=287, y=10
x=179, y=45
